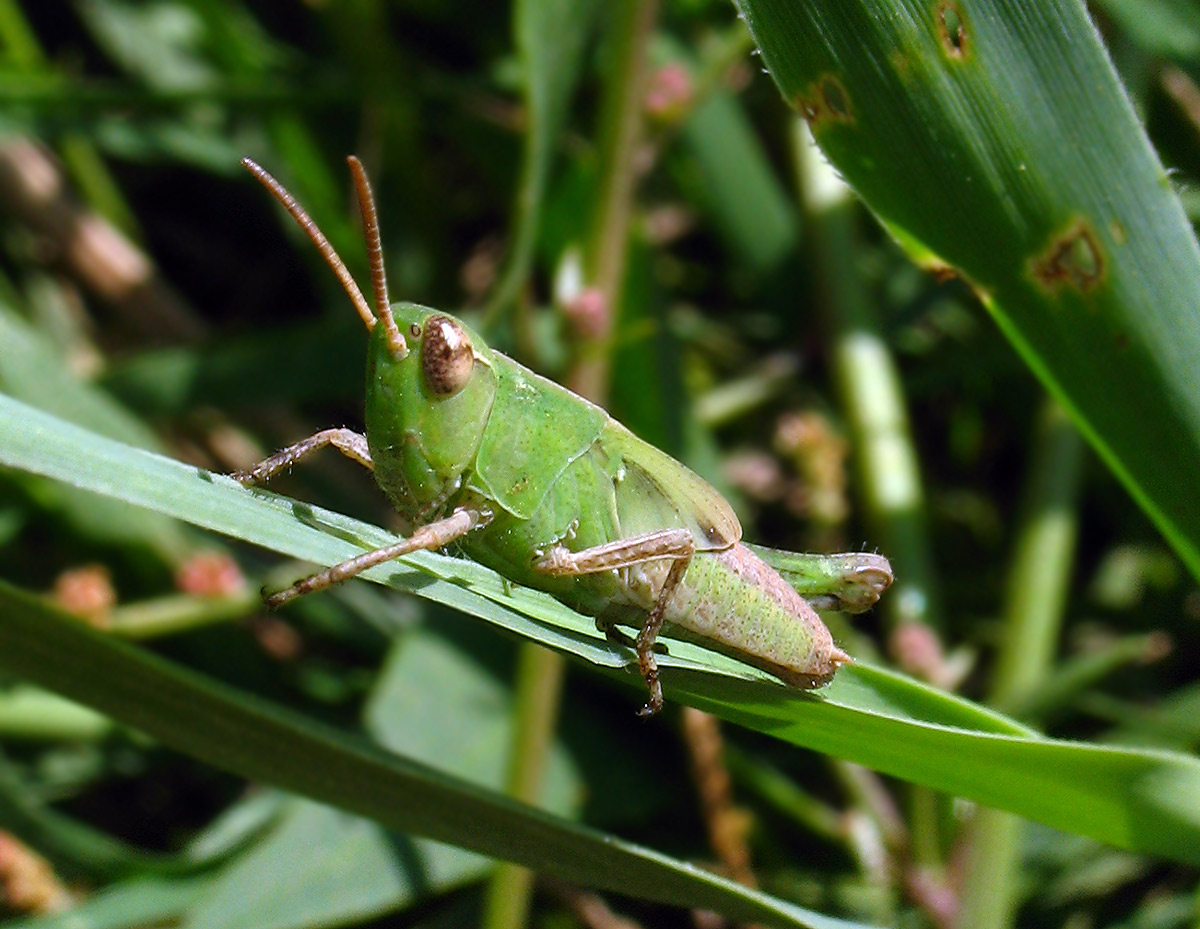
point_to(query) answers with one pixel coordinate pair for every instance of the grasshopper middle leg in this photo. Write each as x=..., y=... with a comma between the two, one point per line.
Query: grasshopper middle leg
x=675, y=544
x=346, y=441
x=432, y=536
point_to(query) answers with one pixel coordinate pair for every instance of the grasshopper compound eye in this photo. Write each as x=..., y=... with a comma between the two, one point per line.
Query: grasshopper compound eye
x=447, y=358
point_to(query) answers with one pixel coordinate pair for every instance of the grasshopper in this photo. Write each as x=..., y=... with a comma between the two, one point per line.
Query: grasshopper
x=547, y=489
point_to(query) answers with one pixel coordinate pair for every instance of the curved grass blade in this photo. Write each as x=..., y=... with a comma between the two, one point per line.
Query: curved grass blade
x=1142, y=800
x=245, y=734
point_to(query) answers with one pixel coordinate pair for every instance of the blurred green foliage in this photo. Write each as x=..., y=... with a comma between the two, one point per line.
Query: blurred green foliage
x=151, y=292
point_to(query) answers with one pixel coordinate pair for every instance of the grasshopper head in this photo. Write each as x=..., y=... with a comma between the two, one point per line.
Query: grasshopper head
x=427, y=408
x=430, y=383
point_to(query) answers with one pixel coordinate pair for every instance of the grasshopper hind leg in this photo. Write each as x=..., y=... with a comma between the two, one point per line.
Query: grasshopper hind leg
x=649, y=633
x=675, y=544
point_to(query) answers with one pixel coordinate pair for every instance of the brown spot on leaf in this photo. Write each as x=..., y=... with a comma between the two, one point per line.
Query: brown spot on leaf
x=952, y=30
x=941, y=271
x=825, y=100
x=837, y=101
x=1074, y=259
x=809, y=108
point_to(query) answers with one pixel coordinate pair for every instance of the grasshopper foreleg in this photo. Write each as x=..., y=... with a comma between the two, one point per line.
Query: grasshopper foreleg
x=346, y=441
x=676, y=544
x=433, y=536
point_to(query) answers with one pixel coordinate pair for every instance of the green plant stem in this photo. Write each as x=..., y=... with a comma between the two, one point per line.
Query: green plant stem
x=540, y=671
x=1042, y=560
x=1053, y=694
x=872, y=401
x=631, y=24
x=34, y=714
x=731, y=49
x=786, y=796
x=540, y=674
x=178, y=613
x=871, y=795
x=869, y=390
x=1033, y=613
x=550, y=39
x=735, y=399
x=531, y=190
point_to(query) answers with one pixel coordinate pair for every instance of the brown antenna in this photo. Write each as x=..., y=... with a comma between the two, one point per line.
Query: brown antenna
x=383, y=307
x=318, y=239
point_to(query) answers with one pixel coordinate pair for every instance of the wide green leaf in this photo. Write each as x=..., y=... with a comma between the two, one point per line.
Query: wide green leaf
x=322, y=867
x=992, y=137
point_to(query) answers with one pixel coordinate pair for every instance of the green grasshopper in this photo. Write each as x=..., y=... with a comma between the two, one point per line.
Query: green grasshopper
x=547, y=489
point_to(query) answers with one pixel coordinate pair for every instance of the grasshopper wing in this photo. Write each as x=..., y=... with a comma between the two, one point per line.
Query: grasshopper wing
x=850, y=582
x=654, y=491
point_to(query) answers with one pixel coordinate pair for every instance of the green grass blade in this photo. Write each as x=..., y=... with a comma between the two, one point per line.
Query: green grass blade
x=1147, y=801
x=32, y=371
x=994, y=137
x=239, y=732
x=722, y=165
x=146, y=901
x=550, y=38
